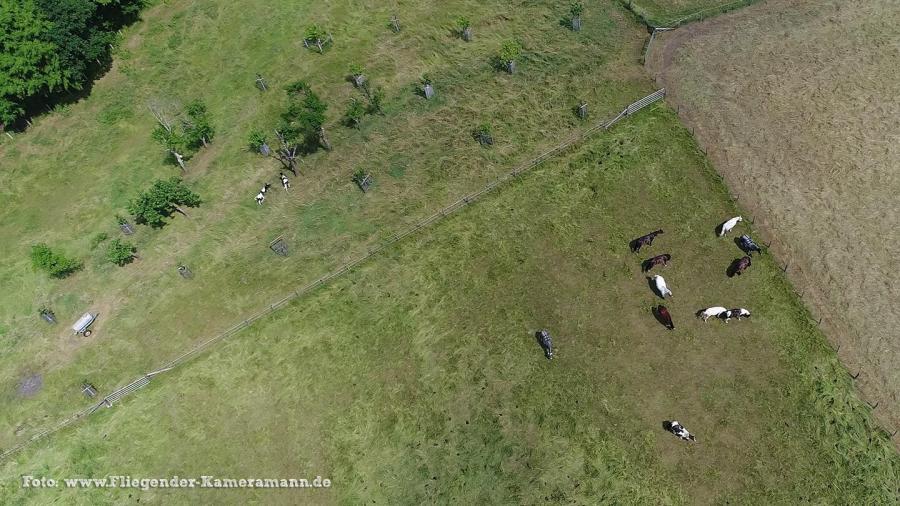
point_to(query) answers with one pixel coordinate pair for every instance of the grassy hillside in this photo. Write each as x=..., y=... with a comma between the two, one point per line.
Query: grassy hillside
x=415, y=378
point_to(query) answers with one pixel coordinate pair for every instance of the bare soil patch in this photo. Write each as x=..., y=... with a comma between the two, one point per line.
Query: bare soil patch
x=796, y=104
x=30, y=385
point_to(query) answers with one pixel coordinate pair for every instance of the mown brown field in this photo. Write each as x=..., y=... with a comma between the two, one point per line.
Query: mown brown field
x=796, y=104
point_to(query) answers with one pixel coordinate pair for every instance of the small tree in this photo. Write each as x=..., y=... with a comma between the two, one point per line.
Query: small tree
x=166, y=133
x=427, y=86
x=509, y=53
x=197, y=128
x=316, y=36
x=161, y=200
x=482, y=134
x=354, y=114
x=258, y=142
x=576, y=10
x=376, y=100
x=357, y=76
x=464, y=28
x=304, y=119
x=53, y=262
x=120, y=252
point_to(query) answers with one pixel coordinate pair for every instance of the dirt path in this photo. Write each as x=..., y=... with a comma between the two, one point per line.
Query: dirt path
x=796, y=104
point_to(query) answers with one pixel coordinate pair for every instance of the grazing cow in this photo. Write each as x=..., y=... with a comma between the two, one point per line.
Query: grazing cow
x=546, y=343
x=653, y=262
x=726, y=227
x=662, y=314
x=747, y=245
x=739, y=313
x=260, y=198
x=661, y=288
x=706, y=314
x=284, y=181
x=265, y=188
x=644, y=240
x=738, y=266
x=676, y=428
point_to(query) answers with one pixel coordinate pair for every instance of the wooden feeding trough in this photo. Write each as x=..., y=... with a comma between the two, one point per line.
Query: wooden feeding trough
x=363, y=180
x=279, y=246
x=48, y=316
x=81, y=326
x=89, y=390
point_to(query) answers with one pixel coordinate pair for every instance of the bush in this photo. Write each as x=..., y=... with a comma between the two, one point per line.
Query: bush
x=54, y=263
x=120, y=252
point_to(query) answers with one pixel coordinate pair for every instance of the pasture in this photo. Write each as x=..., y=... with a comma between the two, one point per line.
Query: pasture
x=415, y=378
x=790, y=100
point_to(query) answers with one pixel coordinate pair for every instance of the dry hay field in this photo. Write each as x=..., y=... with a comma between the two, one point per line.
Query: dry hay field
x=796, y=103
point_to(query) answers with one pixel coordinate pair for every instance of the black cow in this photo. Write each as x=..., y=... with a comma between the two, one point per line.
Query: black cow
x=644, y=240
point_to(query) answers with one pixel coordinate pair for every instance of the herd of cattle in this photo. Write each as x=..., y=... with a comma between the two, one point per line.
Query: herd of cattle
x=659, y=285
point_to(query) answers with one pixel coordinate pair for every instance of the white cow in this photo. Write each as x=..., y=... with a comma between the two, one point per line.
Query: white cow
x=705, y=314
x=260, y=198
x=661, y=288
x=728, y=225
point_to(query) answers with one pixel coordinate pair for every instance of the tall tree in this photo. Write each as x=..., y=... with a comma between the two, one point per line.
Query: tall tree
x=29, y=62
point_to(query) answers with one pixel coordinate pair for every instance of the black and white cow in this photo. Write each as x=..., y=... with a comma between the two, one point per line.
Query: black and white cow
x=747, y=245
x=676, y=428
x=543, y=337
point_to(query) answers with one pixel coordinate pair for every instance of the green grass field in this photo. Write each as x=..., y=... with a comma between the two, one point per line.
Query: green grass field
x=415, y=378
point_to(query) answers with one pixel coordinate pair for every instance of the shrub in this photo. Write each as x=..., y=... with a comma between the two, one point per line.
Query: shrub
x=54, y=263
x=120, y=252
x=462, y=23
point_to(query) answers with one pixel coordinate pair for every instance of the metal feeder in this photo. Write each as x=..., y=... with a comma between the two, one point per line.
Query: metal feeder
x=89, y=390
x=81, y=326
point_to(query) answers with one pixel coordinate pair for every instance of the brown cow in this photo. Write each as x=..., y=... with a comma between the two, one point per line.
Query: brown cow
x=738, y=266
x=653, y=262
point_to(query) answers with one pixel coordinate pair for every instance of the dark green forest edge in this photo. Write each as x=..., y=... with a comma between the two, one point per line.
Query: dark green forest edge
x=51, y=50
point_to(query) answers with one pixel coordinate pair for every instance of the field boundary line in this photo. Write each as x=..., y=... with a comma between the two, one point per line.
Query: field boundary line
x=144, y=379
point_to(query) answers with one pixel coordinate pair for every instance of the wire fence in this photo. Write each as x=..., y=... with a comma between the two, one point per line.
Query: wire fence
x=654, y=23
x=456, y=205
